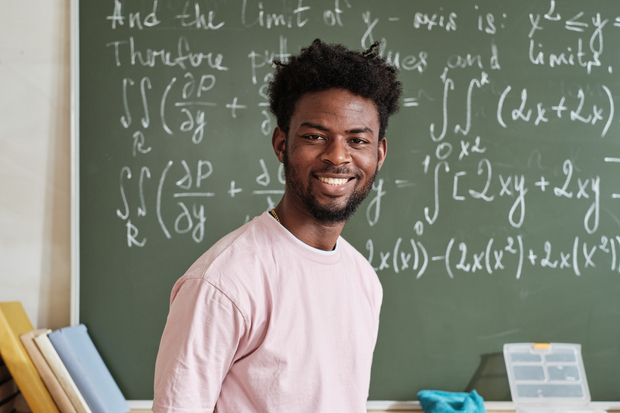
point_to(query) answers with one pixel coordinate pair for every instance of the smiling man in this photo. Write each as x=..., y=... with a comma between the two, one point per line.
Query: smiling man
x=282, y=314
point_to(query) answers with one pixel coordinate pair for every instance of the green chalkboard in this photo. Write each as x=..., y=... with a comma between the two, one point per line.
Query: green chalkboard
x=495, y=219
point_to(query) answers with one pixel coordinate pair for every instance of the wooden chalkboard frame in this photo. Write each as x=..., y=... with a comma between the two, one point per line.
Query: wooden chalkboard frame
x=75, y=227
x=75, y=162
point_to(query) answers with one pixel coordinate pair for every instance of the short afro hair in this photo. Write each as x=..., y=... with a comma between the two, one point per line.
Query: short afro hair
x=321, y=67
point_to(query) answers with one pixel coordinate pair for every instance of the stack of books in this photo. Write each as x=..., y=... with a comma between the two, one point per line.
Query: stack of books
x=44, y=371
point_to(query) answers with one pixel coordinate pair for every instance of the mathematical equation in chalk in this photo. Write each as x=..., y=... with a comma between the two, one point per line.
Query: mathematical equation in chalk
x=510, y=256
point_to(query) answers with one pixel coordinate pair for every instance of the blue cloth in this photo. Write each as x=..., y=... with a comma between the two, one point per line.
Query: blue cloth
x=436, y=401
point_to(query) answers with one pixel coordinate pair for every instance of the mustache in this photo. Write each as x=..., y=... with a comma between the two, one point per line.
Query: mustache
x=337, y=170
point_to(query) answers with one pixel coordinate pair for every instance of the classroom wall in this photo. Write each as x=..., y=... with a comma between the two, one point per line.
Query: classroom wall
x=35, y=158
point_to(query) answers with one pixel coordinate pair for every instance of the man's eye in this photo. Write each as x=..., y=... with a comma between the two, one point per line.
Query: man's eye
x=358, y=141
x=314, y=137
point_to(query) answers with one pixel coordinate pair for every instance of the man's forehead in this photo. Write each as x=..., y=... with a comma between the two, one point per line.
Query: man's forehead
x=338, y=102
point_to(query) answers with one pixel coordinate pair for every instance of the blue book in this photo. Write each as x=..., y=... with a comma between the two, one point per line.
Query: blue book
x=87, y=369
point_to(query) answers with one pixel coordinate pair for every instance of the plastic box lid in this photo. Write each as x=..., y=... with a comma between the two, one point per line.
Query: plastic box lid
x=547, y=377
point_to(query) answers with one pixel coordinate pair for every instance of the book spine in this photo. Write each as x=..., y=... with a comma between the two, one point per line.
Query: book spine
x=75, y=368
x=86, y=351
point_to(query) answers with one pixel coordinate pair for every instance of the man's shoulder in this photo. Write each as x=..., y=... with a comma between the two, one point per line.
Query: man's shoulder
x=231, y=250
x=237, y=266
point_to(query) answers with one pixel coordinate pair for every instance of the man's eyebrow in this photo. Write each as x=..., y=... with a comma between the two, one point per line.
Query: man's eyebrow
x=315, y=126
x=360, y=130
x=349, y=132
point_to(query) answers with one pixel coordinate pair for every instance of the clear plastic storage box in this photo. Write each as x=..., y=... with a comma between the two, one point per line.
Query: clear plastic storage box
x=547, y=378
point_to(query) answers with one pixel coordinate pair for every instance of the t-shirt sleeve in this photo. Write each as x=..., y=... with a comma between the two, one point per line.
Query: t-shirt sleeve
x=202, y=338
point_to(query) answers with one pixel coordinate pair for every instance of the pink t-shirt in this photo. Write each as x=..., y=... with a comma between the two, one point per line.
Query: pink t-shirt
x=264, y=323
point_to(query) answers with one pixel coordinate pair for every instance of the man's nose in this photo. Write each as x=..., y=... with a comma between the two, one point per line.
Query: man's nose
x=337, y=152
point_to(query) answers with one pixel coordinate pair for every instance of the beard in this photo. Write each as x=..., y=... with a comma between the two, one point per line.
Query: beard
x=329, y=213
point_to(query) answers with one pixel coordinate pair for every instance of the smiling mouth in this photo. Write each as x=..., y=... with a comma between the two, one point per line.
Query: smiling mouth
x=333, y=181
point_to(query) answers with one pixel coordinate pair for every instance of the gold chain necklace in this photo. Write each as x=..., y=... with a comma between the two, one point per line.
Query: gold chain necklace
x=273, y=214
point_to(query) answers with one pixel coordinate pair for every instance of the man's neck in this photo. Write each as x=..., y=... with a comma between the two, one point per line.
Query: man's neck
x=304, y=227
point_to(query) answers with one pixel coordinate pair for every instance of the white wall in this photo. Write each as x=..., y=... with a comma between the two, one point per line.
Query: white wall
x=35, y=158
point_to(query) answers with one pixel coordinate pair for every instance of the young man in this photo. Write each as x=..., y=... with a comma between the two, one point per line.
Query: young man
x=282, y=314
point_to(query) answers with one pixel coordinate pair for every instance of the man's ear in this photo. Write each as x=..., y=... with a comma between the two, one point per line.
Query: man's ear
x=278, y=141
x=382, y=152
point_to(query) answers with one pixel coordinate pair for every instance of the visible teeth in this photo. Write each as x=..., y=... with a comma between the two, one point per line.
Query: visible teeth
x=333, y=181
